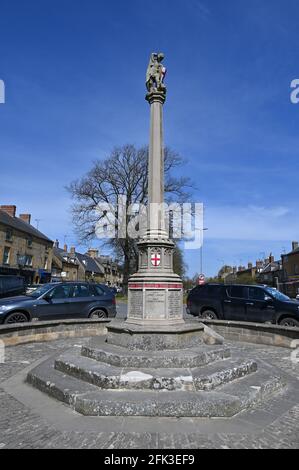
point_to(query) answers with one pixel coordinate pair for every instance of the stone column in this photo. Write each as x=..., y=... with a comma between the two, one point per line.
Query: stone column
x=155, y=295
x=156, y=222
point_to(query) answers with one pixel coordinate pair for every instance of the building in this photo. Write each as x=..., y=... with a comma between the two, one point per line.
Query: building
x=224, y=272
x=24, y=250
x=65, y=266
x=70, y=265
x=112, y=270
x=271, y=274
x=89, y=269
x=249, y=275
x=290, y=266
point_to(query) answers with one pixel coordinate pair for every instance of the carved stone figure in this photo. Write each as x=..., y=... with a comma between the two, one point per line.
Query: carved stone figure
x=156, y=73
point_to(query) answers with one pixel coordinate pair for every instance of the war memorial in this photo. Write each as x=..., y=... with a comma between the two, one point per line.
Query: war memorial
x=154, y=379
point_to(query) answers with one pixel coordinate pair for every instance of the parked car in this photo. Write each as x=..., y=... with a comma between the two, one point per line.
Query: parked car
x=11, y=285
x=61, y=300
x=113, y=289
x=31, y=287
x=259, y=304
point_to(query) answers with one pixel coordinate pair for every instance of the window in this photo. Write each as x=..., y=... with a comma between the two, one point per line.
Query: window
x=61, y=292
x=237, y=292
x=256, y=294
x=81, y=290
x=277, y=295
x=214, y=291
x=8, y=236
x=29, y=242
x=99, y=290
x=6, y=255
x=28, y=260
x=202, y=291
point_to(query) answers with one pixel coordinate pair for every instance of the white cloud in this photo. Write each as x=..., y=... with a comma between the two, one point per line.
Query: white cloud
x=252, y=223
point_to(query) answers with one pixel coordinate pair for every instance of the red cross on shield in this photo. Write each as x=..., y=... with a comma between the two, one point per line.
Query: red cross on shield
x=156, y=259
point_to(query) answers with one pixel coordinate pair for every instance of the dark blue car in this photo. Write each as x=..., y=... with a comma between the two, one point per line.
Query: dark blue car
x=60, y=300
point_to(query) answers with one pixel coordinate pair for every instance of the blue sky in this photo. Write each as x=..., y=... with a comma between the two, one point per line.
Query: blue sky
x=74, y=75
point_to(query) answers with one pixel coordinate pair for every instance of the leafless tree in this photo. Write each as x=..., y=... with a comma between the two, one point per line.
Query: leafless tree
x=124, y=172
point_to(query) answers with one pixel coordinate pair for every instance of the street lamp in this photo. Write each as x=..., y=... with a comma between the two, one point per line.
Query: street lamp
x=201, y=249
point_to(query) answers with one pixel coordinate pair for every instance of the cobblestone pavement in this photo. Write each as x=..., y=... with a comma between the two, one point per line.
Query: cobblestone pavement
x=28, y=419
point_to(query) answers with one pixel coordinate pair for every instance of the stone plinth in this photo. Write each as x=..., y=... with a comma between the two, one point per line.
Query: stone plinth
x=155, y=293
x=155, y=338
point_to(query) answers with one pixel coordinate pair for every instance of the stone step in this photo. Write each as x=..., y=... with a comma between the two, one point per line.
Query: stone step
x=215, y=375
x=155, y=338
x=256, y=388
x=121, y=357
x=88, y=400
x=110, y=377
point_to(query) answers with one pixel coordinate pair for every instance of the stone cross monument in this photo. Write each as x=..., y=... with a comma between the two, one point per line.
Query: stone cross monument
x=155, y=291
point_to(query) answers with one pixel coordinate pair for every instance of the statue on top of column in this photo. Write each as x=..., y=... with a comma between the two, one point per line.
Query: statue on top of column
x=156, y=73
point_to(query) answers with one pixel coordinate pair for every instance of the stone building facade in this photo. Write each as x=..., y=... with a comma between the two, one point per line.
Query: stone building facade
x=70, y=265
x=24, y=250
x=290, y=265
x=65, y=267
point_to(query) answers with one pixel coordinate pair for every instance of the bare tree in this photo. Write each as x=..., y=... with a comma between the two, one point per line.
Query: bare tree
x=124, y=172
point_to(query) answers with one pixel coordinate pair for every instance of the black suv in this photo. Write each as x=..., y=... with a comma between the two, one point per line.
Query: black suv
x=258, y=304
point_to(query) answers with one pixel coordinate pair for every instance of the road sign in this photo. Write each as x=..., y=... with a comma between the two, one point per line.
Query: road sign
x=201, y=280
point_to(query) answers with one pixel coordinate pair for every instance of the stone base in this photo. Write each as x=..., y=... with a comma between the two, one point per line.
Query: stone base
x=157, y=337
x=155, y=372
x=96, y=389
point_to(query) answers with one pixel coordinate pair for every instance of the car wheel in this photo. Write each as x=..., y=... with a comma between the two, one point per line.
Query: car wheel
x=98, y=313
x=209, y=315
x=289, y=322
x=16, y=317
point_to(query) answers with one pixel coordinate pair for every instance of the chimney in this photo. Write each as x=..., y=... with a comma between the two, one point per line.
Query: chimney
x=250, y=265
x=93, y=253
x=272, y=259
x=26, y=218
x=10, y=210
x=56, y=244
x=259, y=264
x=65, y=248
x=295, y=246
x=72, y=250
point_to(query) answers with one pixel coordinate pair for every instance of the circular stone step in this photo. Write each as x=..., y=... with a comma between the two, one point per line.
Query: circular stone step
x=120, y=357
x=110, y=377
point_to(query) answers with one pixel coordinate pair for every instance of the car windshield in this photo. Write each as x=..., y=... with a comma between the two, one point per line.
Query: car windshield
x=277, y=295
x=40, y=291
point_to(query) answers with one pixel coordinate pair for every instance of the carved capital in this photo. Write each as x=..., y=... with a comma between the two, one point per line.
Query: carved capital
x=156, y=96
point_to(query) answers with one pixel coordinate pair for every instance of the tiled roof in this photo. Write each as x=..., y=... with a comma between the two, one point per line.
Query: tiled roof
x=19, y=224
x=89, y=264
x=61, y=255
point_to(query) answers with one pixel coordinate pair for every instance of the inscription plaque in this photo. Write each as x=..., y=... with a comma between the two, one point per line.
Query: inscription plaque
x=155, y=303
x=136, y=303
x=174, y=303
